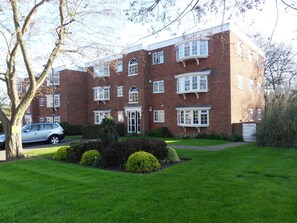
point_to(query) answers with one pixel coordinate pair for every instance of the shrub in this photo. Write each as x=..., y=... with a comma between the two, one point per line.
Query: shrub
x=142, y=162
x=108, y=131
x=75, y=129
x=65, y=126
x=61, y=153
x=236, y=138
x=91, y=158
x=160, y=132
x=91, y=131
x=117, y=153
x=120, y=129
x=221, y=136
x=278, y=127
x=172, y=156
x=92, y=144
x=75, y=151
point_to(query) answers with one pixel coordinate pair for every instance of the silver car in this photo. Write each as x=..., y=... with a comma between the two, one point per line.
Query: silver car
x=39, y=132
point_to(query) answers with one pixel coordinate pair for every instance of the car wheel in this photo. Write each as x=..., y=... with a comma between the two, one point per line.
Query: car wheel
x=54, y=139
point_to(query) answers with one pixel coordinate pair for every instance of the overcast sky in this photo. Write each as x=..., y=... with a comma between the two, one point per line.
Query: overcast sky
x=267, y=21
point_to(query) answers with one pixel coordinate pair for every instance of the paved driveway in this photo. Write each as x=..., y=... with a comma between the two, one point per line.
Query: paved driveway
x=33, y=146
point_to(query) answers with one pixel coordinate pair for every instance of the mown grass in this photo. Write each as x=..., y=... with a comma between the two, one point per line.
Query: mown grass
x=185, y=142
x=243, y=184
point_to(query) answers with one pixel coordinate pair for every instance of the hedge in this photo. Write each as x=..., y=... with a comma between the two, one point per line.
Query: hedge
x=91, y=131
x=117, y=153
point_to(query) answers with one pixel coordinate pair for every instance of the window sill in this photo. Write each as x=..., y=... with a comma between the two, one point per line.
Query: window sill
x=157, y=63
x=191, y=125
x=102, y=100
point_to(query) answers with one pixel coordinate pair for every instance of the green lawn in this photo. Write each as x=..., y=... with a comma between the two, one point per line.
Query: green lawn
x=186, y=142
x=243, y=184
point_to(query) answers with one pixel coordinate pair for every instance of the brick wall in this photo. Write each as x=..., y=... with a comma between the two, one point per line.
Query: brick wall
x=229, y=104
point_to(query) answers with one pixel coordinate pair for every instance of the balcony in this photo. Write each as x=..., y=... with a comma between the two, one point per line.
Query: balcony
x=191, y=50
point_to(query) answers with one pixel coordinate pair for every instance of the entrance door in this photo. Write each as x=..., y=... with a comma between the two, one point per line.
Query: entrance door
x=133, y=122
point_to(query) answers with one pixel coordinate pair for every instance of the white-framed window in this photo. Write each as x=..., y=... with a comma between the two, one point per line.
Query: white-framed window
x=19, y=87
x=159, y=116
x=41, y=119
x=119, y=66
x=101, y=93
x=28, y=119
x=120, y=116
x=50, y=99
x=120, y=91
x=27, y=87
x=240, y=81
x=158, y=86
x=192, y=49
x=133, y=94
x=251, y=85
x=240, y=48
x=53, y=79
x=41, y=101
x=259, y=114
x=251, y=115
x=193, y=117
x=189, y=84
x=259, y=88
x=132, y=67
x=100, y=115
x=250, y=56
x=49, y=119
x=158, y=57
x=102, y=70
x=57, y=118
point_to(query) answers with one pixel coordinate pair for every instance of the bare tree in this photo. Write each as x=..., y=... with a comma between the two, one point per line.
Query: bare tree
x=167, y=15
x=24, y=25
x=280, y=65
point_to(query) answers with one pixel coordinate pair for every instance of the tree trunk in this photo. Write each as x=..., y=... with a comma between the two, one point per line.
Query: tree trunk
x=13, y=143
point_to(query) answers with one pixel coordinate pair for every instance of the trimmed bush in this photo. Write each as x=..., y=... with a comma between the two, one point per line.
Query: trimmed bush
x=120, y=129
x=61, y=153
x=65, y=126
x=117, y=153
x=142, y=162
x=74, y=130
x=221, y=136
x=91, y=131
x=92, y=144
x=160, y=132
x=75, y=151
x=108, y=131
x=172, y=156
x=91, y=158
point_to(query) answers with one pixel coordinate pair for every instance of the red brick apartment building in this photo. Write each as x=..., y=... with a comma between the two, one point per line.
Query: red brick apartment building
x=202, y=82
